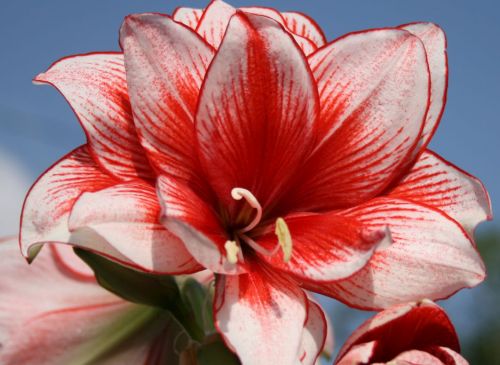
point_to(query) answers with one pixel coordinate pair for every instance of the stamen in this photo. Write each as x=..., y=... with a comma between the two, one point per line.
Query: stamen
x=259, y=248
x=240, y=193
x=232, y=251
x=284, y=238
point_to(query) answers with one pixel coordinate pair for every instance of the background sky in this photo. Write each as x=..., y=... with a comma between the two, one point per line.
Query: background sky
x=37, y=126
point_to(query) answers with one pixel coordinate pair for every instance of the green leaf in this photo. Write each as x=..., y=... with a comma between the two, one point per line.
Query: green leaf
x=199, y=298
x=131, y=285
x=134, y=286
x=216, y=353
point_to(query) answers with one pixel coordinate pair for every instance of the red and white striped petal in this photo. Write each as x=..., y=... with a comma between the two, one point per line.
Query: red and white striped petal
x=342, y=246
x=49, y=315
x=214, y=21
x=304, y=26
x=359, y=354
x=191, y=219
x=165, y=63
x=434, y=40
x=47, y=206
x=188, y=16
x=436, y=182
x=66, y=257
x=405, y=327
x=374, y=94
x=307, y=45
x=122, y=222
x=448, y=356
x=261, y=316
x=401, y=330
x=245, y=136
x=413, y=357
x=95, y=87
x=431, y=257
x=314, y=334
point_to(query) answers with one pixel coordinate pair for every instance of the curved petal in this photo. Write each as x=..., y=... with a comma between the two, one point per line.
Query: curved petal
x=402, y=328
x=358, y=354
x=448, y=356
x=304, y=26
x=326, y=247
x=192, y=220
x=65, y=256
x=246, y=137
x=434, y=40
x=48, y=203
x=260, y=315
x=307, y=45
x=374, y=90
x=170, y=60
x=436, y=182
x=314, y=334
x=431, y=257
x=126, y=217
x=413, y=357
x=95, y=87
x=214, y=21
x=50, y=316
x=188, y=16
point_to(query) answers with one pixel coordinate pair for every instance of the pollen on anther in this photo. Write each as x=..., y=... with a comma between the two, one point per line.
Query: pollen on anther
x=284, y=238
x=232, y=251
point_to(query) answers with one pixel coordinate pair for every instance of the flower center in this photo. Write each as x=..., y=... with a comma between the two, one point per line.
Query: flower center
x=233, y=249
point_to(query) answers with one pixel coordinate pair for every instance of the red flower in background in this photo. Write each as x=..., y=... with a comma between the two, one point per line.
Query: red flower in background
x=415, y=333
x=278, y=161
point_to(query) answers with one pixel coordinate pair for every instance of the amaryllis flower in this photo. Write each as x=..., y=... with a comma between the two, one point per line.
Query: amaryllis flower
x=276, y=160
x=415, y=333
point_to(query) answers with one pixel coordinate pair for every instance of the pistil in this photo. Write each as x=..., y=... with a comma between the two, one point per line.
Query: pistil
x=240, y=193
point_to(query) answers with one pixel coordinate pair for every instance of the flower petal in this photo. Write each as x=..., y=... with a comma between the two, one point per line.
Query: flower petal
x=448, y=356
x=95, y=87
x=434, y=40
x=402, y=328
x=66, y=257
x=260, y=315
x=246, y=137
x=188, y=16
x=413, y=357
x=436, y=182
x=50, y=316
x=214, y=21
x=358, y=354
x=171, y=61
x=307, y=45
x=192, y=220
x=374, y=95
x=338, y=252
x=304, y=26
x=314, y=334
x=126, y=217
x=48, y=203
x=431, y=257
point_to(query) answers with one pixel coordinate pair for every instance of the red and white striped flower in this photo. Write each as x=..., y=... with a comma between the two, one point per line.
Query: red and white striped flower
x=276, y=160
x=415, y=333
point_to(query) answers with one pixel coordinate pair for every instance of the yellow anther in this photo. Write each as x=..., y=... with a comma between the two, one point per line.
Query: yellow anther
x=284, y=238
x=232, y=251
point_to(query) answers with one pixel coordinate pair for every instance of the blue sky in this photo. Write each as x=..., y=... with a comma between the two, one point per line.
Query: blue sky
x=37, y=127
